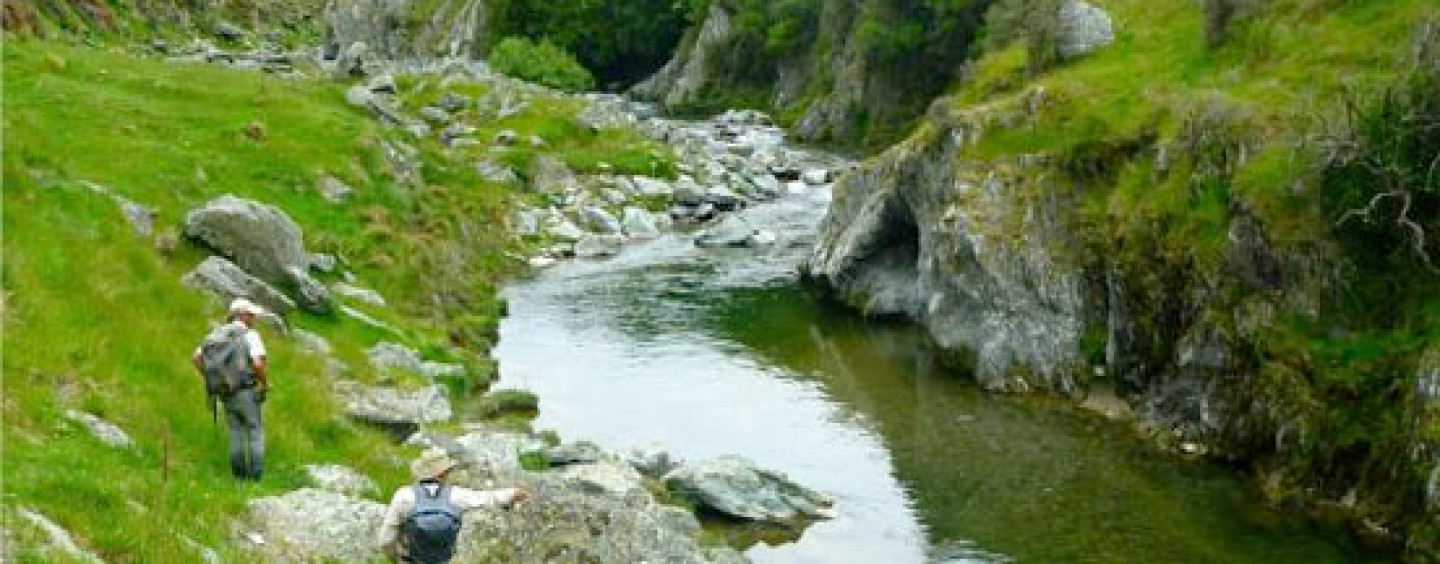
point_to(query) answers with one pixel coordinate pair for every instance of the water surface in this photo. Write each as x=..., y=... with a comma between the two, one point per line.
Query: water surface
x=715, y=351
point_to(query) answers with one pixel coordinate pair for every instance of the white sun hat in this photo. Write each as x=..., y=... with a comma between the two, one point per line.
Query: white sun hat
x=242, y=305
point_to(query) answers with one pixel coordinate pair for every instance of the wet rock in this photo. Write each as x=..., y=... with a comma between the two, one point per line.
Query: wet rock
x=651, y=186
x=734, y=231
x=723, y=198
x=105, y=431
x=333, y=189
x=342, y=480
x=226, y=281
x=312, y=525
x=601, y=221
x=734, y=486
x=58, y=537
x=394, y=408
x=687, y=191
x=816, y=176
x=357, y=293
x=1084, y=28
x=744, y=117
x=599, y=246
x=638, y=223
x=263, y=241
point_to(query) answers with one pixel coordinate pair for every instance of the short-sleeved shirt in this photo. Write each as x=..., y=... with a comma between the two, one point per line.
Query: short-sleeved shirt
x=252, y=343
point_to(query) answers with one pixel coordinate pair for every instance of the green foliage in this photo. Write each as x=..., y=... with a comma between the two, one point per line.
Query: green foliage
x=621, y=41
x=499, y=403
x=542, y=63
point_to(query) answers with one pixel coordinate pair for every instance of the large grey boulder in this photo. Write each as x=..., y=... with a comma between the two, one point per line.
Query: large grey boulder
x=263, y=241
x=1084, y=28
x=226, y=281
x=392, y=407
x=313, y=525
x=734, y=486
x=105, y=431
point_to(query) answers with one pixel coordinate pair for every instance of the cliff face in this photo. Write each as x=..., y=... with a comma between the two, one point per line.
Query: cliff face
x=834, y=81
x=1069, y=235
x=405, y=30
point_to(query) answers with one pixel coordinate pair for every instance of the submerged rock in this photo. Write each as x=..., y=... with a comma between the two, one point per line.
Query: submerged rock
x=734, y=486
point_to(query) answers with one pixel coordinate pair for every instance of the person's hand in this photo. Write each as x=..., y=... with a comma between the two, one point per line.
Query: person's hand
x=261, y=391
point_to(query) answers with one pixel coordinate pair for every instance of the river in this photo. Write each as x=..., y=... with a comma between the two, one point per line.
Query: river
x=706, y=352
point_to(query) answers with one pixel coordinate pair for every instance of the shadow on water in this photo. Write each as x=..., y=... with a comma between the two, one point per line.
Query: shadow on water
x=1030, y=478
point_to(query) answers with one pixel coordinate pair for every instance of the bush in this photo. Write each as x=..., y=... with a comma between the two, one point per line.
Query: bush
x=542, y=63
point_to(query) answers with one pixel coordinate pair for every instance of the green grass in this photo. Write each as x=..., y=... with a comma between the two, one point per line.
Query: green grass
x=95, y=317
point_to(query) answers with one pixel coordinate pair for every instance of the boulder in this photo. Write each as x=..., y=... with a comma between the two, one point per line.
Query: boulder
x=394, y=408
x=1084, y=28
x=494, y=171
x=651, y=186
x=607, y=477
x=766, y=185
x=357, y=293
x=652, y=462
x=638, y=223
x=734, y=231
x=599, y=246
x=550, y=175
x=107, y=432
x=333, y=189
x=386, y=356
x=734, y=486
x=601, y=221
x=342, y=480
x=723, y=198
x=226, y=281
x=313, y=525
x=576, y=452
x=263, y=241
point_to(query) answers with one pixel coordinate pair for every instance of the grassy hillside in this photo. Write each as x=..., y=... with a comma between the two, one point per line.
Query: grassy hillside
x=95, y=317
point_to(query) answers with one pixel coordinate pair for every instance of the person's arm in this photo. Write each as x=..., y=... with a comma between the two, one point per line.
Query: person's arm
x=389, y=536
x=258, y=359
x=196, y=359
x=466, y=499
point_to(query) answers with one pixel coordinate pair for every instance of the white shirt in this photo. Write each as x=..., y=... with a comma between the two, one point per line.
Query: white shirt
x=403, y=503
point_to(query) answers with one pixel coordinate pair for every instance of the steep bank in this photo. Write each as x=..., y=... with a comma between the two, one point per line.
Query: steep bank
x=1162, y=217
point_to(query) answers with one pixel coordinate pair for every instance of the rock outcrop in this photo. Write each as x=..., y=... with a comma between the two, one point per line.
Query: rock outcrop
x=312, y=525
x=263, y=241
x=226, y=281
x=402, y=410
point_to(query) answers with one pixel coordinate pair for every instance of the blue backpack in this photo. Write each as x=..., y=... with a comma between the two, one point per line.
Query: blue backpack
x=430, y=531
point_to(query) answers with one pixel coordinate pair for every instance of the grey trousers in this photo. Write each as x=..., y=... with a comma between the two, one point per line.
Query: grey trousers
x=247, y=434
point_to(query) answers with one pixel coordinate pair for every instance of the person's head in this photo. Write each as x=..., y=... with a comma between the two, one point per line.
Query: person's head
x=434, y=465
x=244, y=311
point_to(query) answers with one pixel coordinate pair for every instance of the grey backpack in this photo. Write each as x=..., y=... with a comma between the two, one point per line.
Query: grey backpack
x=225, y=361
x=429, y=532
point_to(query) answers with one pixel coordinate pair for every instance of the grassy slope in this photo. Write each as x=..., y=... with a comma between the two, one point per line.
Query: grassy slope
x=95, y=317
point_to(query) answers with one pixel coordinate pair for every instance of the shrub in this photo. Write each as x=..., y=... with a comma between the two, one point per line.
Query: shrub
x=542, y=63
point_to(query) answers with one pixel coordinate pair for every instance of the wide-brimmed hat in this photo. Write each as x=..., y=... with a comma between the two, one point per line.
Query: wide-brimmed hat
x=432, y=463
x=242, y=305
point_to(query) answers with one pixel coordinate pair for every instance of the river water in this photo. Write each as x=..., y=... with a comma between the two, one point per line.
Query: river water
x=714, y=351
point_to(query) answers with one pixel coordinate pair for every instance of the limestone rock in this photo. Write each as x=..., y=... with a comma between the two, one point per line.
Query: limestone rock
x=394, y=407
x=342, y=480
x=734, y=486
x=263, y=241
x=312, y=525
x=226, y=281
x=106, y=431
x=1083, y=29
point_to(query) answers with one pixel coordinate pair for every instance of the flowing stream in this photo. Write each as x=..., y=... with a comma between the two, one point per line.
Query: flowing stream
x=705, y=352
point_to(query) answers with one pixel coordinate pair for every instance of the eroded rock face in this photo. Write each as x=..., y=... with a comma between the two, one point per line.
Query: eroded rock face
x=734, y=486
x=963, y=249
x=683, y=79
x=263, y=241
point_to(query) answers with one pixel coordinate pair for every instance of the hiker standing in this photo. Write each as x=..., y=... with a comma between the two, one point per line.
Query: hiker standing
x=232, y=360
x=423, y=520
